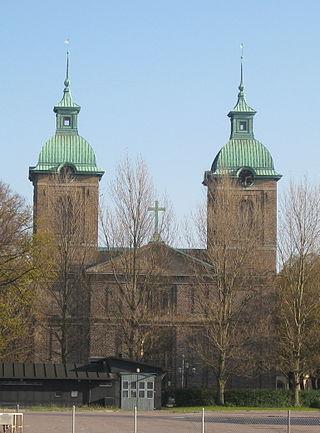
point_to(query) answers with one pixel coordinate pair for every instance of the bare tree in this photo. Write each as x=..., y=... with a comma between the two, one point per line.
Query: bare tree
x=23, y=263
x=137, y=265
x=297, y=287
x=227, y=292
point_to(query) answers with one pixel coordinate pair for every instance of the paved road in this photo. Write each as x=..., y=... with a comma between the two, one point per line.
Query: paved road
x=278, y=420
x=170, y=422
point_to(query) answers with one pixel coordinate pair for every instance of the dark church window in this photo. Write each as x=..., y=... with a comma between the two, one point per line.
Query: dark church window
x=246, y=178
x=192, y=299
x=65, y=211
x=66, y=121
x=246, y=216
x=173, y=299
x=66, y=174
x=242, y=125
x=164, y=300
x=106, y=303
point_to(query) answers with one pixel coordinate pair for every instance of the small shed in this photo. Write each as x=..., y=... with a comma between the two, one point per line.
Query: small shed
x=51, y=383
x=100, y=382
x=140, y=384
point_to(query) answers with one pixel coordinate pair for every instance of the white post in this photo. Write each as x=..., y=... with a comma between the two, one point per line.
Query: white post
x=182, y=372
x=288, y=427
x=73, y=418
x=135, y=420
x=202, y=430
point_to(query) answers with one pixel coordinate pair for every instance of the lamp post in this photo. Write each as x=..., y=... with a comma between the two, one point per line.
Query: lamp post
x=185, y=370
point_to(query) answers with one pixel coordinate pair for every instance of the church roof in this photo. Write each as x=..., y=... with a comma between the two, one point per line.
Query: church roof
x=67, y=101
x=66, y=147
x=155, y=258
x=238, y=153
x=242, y=105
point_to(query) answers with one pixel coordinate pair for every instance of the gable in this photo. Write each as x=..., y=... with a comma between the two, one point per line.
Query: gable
x=155, y=257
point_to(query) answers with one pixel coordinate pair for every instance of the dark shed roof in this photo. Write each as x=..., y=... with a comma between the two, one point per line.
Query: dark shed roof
x=96, y=369
x=15, y=370
x=122, y=365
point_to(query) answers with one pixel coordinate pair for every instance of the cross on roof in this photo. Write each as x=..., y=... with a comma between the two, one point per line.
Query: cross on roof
x=156, y=209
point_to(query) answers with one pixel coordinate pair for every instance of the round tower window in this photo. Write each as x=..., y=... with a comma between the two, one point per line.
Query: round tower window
x=246, y=178
x=67, y=173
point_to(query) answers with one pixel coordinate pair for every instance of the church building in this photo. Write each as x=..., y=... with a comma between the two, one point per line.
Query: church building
x=84, y=312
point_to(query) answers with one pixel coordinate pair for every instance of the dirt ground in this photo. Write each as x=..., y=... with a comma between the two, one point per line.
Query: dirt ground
x=171, y=422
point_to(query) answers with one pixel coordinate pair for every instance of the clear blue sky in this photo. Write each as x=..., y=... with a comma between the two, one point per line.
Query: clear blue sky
x=157, y=78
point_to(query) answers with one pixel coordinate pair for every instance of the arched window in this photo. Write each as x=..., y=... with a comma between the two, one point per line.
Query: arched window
x=65, y=216
x=66, y=174
x=246, y=178
x=246, y=215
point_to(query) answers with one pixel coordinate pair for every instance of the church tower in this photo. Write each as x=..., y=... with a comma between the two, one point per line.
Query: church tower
x=250, y=166
x=66, y=177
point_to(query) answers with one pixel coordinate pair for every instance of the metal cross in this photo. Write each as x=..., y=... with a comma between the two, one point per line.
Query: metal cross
x=156, y=209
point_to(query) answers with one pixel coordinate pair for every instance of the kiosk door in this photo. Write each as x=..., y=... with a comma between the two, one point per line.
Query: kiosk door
x=137, y=390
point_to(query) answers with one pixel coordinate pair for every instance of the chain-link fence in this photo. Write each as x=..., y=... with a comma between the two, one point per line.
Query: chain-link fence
x=262, y=422
x=229, y=421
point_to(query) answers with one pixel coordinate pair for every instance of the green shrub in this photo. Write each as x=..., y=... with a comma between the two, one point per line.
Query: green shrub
x=241, y=397
x=259, y=397
x=189, y=396
x=234, y=397
x=315, y=403
x=310, y=397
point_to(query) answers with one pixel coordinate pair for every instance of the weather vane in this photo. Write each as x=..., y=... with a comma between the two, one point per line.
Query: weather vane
x=242, y=47
x=67, y=42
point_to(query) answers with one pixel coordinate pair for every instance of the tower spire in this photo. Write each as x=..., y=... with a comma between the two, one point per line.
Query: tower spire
x=241, y=115
x=241, y=86
x=67, y=110
x=67, y=81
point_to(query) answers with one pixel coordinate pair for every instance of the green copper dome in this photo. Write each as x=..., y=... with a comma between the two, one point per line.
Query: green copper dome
x=66, y=147
x=71, y=150
x=243, y=151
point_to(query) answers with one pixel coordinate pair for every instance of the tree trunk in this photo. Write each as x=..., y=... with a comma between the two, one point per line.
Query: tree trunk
x=221, y=388
x=63, y=342
x=296, y=389
x=221, y=378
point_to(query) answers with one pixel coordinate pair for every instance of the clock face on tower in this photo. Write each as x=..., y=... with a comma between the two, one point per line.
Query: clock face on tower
x=246, y=178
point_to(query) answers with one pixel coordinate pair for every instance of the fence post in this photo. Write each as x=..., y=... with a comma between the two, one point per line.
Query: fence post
x=135, y=420
x=73, y=418
x=289, y=422
x=202, y=430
